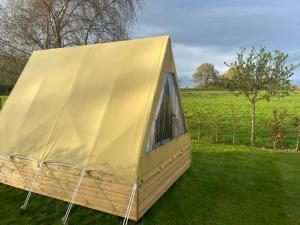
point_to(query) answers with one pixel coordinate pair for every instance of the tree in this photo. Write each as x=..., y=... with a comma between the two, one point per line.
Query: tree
x=260, y=75
x=10, y=68
x=205, y=75
x=229, y=73
x=228, y=76
x=27, y=25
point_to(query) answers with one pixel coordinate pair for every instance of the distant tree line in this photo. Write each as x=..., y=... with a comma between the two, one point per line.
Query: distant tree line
x=207, y=76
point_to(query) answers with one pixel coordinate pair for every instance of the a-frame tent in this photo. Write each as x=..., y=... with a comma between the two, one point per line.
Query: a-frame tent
x=99, y=126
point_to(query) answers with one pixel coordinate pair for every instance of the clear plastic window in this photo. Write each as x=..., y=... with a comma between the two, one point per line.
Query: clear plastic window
x=169, y=120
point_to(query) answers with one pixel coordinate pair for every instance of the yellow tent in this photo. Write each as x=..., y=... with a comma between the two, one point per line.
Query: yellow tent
x=108, y=109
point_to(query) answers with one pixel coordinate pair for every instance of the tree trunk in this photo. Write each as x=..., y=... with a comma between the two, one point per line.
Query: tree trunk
x=253, y=124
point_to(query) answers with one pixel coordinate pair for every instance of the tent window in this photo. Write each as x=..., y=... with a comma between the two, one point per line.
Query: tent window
x=169, y=120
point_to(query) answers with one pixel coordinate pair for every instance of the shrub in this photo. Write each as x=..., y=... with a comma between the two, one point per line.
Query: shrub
x=278, y=129
x=295, y=121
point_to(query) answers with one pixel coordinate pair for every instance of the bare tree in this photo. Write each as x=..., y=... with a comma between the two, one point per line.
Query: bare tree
x=44, y=24
x=27, y=25
x=11, y=65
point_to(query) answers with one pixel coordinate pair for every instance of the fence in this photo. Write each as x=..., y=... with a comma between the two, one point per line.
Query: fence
x=234, y=127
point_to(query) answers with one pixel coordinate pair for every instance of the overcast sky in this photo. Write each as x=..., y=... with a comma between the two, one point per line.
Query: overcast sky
x=214, y=30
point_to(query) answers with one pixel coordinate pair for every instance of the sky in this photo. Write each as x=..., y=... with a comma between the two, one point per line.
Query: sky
x=213, y=31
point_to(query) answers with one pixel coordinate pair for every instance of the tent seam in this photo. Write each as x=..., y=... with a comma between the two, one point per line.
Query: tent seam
x=65, y=104
x=27, y=111
x=158, y=73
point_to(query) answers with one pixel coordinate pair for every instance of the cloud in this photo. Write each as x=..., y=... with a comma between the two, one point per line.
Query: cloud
x=213, y=31
x=188, y=58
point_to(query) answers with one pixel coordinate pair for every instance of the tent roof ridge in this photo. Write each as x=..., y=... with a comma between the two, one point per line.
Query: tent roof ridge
x=106, y=43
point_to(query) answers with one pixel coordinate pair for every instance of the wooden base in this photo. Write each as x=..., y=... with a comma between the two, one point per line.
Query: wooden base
x=98, y=191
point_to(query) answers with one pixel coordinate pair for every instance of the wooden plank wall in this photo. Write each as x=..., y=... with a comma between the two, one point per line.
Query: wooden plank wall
x=154, y=187
x=98, y=191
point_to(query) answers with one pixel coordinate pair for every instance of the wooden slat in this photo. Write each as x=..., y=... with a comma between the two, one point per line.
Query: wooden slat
x=158, y=184
x=98, y=191
x=161, y=189
x=152, y=182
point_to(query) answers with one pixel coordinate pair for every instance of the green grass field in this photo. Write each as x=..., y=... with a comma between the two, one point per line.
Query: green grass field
x=226, y=185
x=200, y=105
x=3, y=99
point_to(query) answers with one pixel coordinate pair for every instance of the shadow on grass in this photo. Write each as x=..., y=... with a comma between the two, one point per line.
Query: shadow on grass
x=221, y=187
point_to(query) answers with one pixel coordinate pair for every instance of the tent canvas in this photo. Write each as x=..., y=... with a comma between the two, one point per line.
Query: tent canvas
x=113, y=108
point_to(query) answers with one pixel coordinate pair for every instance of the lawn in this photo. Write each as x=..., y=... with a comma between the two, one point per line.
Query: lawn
x=201, y=107
x=3, y=100
x=232, y=185
x=226, y=185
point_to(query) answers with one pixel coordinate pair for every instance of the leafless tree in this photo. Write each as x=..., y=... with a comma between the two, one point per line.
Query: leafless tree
x=27, y=25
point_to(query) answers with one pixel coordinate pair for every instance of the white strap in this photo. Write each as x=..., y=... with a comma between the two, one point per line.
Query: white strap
x=65, y=218
x=32, y=185
x=130, y=203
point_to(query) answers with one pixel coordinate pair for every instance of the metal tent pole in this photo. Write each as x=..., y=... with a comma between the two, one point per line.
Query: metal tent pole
x=126, y=218
x=65, y=218
x=32, y=185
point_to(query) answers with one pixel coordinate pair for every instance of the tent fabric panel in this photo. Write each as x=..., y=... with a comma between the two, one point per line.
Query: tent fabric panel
x=49, y=85
x=17, y=105
x=149, y=163
x=101, y=123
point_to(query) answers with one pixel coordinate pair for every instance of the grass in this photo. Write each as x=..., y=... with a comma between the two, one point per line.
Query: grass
x=200, y=105
x=226, y=185
x=2, y=100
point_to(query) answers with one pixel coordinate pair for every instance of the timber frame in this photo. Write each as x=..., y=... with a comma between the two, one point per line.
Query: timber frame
x=99, y=191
